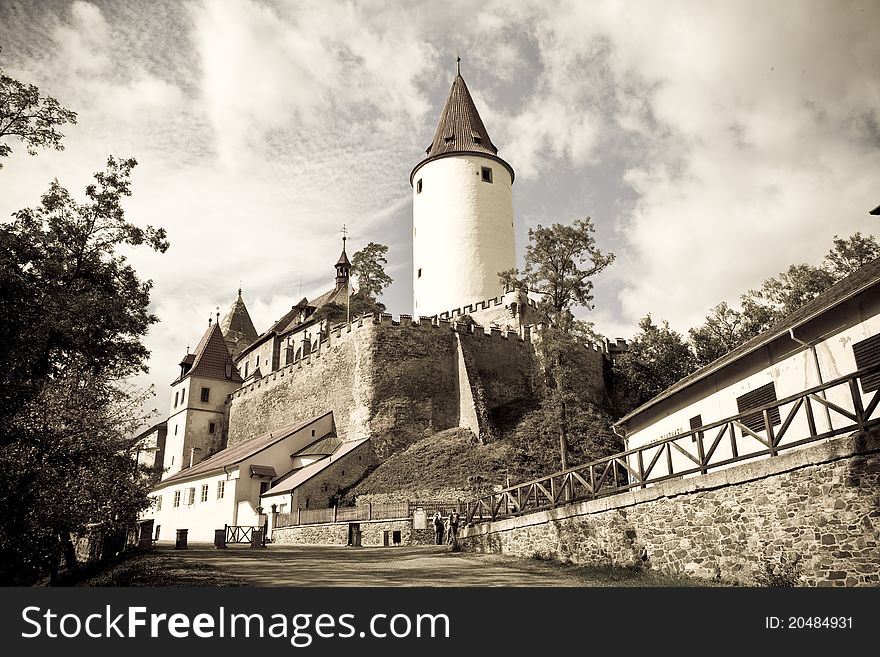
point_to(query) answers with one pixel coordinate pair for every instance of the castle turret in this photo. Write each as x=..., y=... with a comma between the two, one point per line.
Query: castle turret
x=237, y=327
x=198, y=402
x=462, y=211
x=343, y=269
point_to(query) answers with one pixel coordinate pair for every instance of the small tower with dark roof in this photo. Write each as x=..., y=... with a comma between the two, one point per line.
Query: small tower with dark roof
x=462, y=211
x=343, y=267
x=238, y=329
x=198, y=402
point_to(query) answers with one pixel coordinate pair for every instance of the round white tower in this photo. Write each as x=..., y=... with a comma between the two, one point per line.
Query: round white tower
x=462, y=212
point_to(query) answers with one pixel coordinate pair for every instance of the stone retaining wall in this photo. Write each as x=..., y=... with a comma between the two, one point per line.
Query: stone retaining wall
x=336, y=533
x=821, y=502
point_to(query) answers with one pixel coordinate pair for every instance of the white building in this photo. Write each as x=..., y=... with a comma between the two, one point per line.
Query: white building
x=225, y=488
x=462, y=212
x=198, y=402
x=832, y=336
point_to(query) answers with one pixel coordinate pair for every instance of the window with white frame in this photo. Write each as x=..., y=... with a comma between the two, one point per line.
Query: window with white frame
x=204, y=496
x=221, y=489
x=176, y=499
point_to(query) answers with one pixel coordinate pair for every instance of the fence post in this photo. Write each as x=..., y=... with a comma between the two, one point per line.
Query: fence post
x=369, y=510
x=334, y=513
x=299, y=516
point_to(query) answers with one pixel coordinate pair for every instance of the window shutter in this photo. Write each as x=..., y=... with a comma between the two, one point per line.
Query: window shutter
x=867, y=353
x=756, y=398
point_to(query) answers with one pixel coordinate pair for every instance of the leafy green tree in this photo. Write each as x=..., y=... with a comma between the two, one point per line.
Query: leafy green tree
x=74, y=313
x=30, y=118
x=560, y=263
x=656, y=358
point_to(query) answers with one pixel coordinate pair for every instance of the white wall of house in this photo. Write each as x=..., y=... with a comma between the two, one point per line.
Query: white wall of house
x=242, y=491
x=789, y=365
x=201, y=518
x=189, y=424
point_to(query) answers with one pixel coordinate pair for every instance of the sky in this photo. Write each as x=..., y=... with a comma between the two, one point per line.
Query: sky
x=711, y=143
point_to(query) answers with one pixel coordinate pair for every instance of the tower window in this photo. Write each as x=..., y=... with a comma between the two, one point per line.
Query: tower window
x=212, y=427
x=206, y=394
x=419, y=186
x=176, y=395
x=486, y=172
x=420, y=272
x=182, y=395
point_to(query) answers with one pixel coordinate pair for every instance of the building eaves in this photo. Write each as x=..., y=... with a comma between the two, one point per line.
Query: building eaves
x=237, y=453
x=845, y=289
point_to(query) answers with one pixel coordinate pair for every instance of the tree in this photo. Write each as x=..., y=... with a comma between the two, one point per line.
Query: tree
x=368, y=265
x=29, y=117
x=726, y=328
x=560, y=263
x=722, y=332
x=656, y=358
x=781, y=295
x=74, y=313
x=849, y=254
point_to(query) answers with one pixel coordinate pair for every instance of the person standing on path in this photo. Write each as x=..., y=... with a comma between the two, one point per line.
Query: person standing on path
x=438, y=528
x=453, y=527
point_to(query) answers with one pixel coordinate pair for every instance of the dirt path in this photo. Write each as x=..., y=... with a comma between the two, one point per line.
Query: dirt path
x=312, y=565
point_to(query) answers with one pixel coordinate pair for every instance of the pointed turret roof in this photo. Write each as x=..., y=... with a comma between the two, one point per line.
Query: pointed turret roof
x=238, y=321
x=211, y=358
x=343, y=258
x=460, y=129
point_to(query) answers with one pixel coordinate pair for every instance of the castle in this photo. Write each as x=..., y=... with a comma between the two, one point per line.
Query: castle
x=290, y=416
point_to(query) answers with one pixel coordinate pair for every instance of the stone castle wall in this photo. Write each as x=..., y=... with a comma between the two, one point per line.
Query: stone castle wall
x=820, y=502
x=395, y=381
x=338, y=377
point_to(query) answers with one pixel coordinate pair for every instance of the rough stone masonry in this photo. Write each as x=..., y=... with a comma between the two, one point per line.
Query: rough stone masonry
x=821, y=502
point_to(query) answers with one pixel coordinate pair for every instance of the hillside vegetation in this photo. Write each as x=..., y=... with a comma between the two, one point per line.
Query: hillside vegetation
x=448, y=463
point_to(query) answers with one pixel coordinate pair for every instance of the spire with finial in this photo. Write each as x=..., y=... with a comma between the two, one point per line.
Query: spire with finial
x=209, y=320
x=343, y=265
x=458, y=63
x=460, y=129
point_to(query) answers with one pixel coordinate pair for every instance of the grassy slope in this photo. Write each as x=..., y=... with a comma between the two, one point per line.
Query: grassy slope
x=450, y=459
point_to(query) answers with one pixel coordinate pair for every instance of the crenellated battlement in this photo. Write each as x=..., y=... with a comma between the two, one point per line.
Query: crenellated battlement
x=341, y=333
x=488, y=304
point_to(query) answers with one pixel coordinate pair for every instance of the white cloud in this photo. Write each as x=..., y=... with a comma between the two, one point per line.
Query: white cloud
x=713, y=143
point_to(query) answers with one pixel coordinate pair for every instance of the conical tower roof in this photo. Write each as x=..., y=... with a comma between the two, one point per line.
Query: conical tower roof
x=460, y=129
x=237, y=327
x=211, y=359
x=238, y=321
